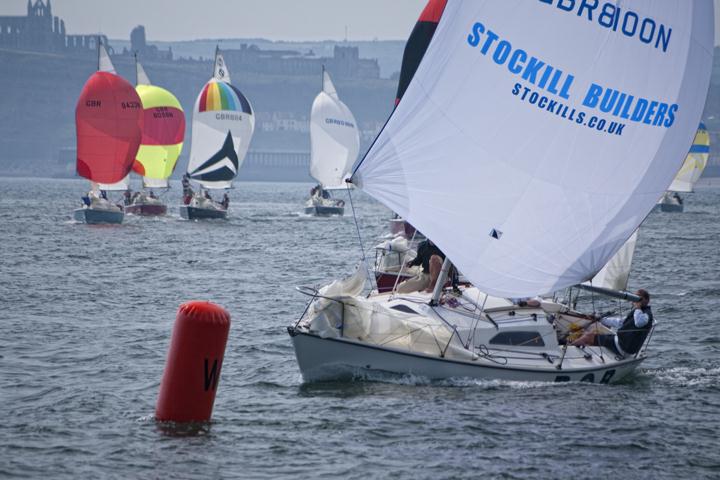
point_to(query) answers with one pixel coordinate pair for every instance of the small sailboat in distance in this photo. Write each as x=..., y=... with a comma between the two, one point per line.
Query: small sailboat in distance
x=222, y=128
x=335, y=143
x=162, y=141
x=501, y=151
x=109, y=121
x=689, y=173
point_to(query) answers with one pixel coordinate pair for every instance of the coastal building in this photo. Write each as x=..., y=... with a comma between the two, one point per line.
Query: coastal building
x=40, y=31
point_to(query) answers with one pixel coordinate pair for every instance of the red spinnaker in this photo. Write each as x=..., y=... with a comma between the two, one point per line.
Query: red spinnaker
x=109, y=120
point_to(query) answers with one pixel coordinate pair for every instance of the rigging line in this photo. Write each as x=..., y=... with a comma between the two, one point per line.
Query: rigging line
x=357, y=228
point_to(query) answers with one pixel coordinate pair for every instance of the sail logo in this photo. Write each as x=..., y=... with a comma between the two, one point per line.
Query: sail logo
x=529, y=68
x=130, y=104
x=93, y=103
x=617, y=19
x=341, y=123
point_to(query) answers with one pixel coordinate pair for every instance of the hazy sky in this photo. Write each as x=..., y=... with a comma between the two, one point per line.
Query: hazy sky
x=272, y=19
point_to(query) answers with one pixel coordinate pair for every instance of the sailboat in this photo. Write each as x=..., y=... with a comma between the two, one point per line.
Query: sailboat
x=109, y=122
x=162, y=141
x=689, y=173
x=502, y=152
x=335, y=143
x=223, y=125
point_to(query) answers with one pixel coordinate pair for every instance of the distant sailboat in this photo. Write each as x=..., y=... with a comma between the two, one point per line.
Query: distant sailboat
x=162, y=141
x=335, y=143
x=689, y=173
x=223, y=125
x=109, y=123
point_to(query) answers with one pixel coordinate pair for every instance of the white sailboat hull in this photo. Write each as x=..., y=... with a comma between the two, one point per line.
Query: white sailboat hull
x=324, y=359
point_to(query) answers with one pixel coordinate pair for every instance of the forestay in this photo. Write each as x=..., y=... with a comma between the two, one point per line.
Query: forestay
x=163, y=132
x=536, y=136
x=334, y=137
x=695, y=163
x=223, y=125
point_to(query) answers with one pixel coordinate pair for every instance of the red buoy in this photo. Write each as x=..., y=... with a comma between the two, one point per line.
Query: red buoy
x=192, y=372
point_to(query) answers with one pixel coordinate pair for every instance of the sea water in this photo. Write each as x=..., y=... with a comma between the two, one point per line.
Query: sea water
x=87, y=313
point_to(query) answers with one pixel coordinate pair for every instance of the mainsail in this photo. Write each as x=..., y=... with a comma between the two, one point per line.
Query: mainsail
x=695, y=163
x=418, y=43
x=535, y=136
x=223, y=125
x=109, y=120
x=163, y=132
x=616, y=273
x=334, y=137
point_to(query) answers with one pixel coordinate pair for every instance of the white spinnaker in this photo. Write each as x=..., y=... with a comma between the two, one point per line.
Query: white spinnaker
x=334, y=137
x=120, y=186
x=694, y=165
x=211, y=129
x=616, y=272
x=524, y=200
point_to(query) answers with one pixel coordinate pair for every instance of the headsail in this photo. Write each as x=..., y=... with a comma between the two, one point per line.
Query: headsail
x=334, y=137
x=109, y=120
x=529, y=158
x=223, y=125
x=163, y=132
x=695, y=163
x=615, y=274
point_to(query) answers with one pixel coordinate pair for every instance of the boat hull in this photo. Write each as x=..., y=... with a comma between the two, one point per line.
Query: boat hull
x=671, y=208
x=325, y=359
x=195, y=213
x=98, y=217
x=147, y=210
x=324, y=211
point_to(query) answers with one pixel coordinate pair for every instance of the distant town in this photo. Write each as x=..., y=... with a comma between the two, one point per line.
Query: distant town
x=44, y=68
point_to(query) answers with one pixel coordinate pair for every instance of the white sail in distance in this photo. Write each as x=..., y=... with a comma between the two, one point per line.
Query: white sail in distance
x=120, y=186
x=530, y=156
x=223, y=125
x=334, y=137
x=694, y=164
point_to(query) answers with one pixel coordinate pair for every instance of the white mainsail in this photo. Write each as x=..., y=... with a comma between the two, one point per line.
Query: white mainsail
x=223, y=125
x=334, y=137
x=530, y=163
x=695, y=163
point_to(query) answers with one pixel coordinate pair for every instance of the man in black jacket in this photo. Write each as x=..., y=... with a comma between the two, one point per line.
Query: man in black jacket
x=631, y=331
x=431, y=259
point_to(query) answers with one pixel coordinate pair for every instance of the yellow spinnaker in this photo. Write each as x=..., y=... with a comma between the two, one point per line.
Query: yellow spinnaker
x=163, y=132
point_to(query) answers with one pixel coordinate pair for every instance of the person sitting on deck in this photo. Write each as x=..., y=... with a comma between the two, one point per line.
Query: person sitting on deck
x=631, y=331
x=431, y=258
x=152, y=194
x=127, y=197
x=225, y=203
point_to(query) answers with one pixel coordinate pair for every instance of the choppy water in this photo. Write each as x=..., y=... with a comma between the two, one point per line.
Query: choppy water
x=87, y=314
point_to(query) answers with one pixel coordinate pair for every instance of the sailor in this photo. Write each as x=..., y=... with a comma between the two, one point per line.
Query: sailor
x=187, y=189
x=127, y=197
x=225, y=203
x=677, y=198
x=103, y=194
x=324, y=193
x=152, y=194
x=431, y=258
x=631, y=331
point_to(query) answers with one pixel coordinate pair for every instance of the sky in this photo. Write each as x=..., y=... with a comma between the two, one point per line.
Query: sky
x=271, y=19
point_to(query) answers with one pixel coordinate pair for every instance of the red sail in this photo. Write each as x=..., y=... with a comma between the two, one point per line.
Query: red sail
x=418, y=43
x=109, y=119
